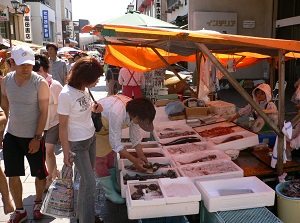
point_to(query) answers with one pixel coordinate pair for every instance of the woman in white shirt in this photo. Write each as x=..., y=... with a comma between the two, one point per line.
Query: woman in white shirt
x=77, y=131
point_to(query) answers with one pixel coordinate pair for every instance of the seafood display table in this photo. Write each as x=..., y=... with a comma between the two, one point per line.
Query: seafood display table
x=257, y=165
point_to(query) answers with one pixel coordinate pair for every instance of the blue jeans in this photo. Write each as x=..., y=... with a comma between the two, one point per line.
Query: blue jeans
x=85, y=159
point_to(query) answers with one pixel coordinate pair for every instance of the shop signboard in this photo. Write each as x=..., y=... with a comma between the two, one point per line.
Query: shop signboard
x=70, y=30
x=45, y=19
x=222, y=22
x=158, y=8
x=27, y=24
x=4, y=14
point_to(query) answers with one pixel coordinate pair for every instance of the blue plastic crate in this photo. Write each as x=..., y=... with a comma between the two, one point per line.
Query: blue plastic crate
x=267, y=138
x=175, y=219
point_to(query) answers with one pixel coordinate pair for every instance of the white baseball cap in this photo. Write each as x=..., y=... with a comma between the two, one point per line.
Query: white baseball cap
x=23, y=54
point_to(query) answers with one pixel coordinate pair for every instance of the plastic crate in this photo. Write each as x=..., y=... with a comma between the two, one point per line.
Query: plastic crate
x=269, y=138
x=176, y=219
x=251, y=215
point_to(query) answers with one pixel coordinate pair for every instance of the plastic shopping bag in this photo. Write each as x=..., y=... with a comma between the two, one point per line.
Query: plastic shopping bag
x=59, y=201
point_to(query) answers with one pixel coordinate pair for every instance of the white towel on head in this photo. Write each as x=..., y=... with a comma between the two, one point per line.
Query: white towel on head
x=287, y=130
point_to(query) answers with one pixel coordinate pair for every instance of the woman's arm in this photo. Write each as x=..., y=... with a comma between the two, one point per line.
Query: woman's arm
x=63, y=136
x=137, y=162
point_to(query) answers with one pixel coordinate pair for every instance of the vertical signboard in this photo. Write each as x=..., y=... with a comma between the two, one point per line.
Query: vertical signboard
x=45, y=20
x=70, y=30
x=27, y=24
x=4, y=15
x=158, y=9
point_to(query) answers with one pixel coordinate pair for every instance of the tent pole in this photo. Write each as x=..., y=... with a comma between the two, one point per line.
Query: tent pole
x=199, y=56
x=240, y=60
x=272, y=73
x=281, y=79
x=174, y=71
x=237, y=86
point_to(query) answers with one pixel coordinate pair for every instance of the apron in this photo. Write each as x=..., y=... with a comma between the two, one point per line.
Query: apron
x=127, y=90
x=102, y=137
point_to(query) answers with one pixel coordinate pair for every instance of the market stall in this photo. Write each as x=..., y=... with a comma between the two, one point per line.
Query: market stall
x=182, y=176
x=187, y=43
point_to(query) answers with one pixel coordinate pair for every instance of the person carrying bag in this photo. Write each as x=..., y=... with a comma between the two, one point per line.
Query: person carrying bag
x=59, y=201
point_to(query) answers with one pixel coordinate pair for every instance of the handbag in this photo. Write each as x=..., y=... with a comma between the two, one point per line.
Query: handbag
x=96, y=117
x=59, y=201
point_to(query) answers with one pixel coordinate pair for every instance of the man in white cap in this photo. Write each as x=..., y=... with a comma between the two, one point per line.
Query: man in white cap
x=25, y=98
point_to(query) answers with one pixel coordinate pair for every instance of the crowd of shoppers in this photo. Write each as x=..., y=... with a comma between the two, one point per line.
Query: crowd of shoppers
x=45, y=101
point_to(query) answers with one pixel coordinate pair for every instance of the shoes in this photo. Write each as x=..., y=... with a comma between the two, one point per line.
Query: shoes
x=18, y=217
x=37, y=211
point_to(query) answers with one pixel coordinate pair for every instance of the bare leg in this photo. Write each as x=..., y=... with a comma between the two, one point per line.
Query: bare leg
x=8, y=206
x=39, y=188
x=16, y=191
x=51, y=162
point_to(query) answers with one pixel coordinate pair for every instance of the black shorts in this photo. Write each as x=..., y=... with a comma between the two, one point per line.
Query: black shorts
x=14, y=150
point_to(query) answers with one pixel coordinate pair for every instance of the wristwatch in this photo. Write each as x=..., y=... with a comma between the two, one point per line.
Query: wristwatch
x=38, y=137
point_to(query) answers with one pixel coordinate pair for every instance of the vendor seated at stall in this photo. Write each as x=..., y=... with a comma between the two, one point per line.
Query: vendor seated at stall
x=263, y=96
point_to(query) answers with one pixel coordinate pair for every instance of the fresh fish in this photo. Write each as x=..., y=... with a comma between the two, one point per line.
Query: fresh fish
x=232, y=138
x=203, y=159
x=183, y=141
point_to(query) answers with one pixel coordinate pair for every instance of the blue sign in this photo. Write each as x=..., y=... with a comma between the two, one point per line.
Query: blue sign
x=46, y=24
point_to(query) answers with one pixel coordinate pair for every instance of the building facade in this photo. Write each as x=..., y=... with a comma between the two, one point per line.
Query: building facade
x=45, y=21
x=262, y=18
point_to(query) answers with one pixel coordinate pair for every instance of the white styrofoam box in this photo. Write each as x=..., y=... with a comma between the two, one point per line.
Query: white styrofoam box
x=161, y=160
x=262, y=194
x=165, y=134
x=179, y=190
x=221, y=108
x=193, y=157
x=249, y=139
x=187, y=148
x=164, y=210
x=157, y=150
x=216, y=169
x=146, y=200
x=158, y=174
x=232, y=125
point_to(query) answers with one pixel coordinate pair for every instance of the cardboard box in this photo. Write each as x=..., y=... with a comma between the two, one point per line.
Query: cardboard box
x=164, y=102
x=196, y=112
x=179, y=116
x=221, y=108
